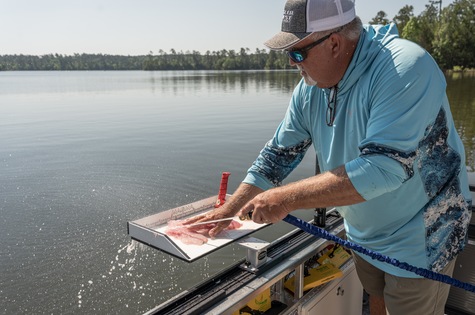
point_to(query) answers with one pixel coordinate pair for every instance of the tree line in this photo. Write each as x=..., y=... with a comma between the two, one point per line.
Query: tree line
x=216, y=60
x=447, y=33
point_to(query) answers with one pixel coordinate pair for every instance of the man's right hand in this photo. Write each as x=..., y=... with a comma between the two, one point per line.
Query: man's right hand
x=241, y=196
x=216, y=214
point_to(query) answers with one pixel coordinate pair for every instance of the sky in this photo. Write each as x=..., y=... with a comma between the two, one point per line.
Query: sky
x=128, y=27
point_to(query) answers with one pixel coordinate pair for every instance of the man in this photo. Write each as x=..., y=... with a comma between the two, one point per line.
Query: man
x=375, y=109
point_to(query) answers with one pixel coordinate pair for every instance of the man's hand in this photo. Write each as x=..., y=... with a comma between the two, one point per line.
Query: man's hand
x=242, y=195
x=268, y=207
x=219, y=213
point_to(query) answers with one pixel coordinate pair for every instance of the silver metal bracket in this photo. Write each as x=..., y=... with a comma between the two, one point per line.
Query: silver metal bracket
x=256, y=253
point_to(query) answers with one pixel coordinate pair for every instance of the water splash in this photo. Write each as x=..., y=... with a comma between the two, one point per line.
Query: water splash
x=121, y=268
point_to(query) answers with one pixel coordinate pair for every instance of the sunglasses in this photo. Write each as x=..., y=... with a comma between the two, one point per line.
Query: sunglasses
x=299, y=55
x=331, y=106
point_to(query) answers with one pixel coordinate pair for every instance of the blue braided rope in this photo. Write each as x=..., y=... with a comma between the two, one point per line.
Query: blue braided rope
x=316, y=231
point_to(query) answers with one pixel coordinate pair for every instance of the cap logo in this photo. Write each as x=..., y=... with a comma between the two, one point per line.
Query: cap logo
x=288, y=14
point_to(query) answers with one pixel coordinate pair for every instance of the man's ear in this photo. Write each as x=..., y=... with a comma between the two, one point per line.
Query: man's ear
x=335, y=44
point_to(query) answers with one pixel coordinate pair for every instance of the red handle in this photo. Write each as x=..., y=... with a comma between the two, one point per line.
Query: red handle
x=223, y=187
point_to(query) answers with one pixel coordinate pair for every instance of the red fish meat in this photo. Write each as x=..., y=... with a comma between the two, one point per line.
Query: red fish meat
x=195, y=235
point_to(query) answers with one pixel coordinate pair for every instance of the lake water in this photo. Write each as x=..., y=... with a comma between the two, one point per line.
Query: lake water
x=82, y=153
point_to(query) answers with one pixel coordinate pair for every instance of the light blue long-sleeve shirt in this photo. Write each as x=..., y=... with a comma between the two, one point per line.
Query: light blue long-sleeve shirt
x=394, y=133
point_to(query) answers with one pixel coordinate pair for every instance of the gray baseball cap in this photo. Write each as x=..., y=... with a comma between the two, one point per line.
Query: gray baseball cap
x=303, y=17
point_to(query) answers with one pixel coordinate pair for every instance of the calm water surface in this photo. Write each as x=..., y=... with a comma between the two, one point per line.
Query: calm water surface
x=82, y=153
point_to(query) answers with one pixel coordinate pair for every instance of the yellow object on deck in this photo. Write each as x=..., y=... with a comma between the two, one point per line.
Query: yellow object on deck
x=337, y=257
x=317, y=276
x=261, y=303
